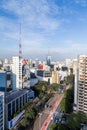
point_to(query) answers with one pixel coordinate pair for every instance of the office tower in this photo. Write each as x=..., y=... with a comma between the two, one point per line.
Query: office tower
x=48, y=59
x=82, y=84
x=16, y=72
x=3, y=82
x=1, y=111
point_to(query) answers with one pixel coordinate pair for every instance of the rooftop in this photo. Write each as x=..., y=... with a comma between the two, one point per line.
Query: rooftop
x=14, y=94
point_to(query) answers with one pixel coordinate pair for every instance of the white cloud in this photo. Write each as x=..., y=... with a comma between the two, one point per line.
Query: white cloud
x=34, y=13
x=36, y=17
x=81, y=2
x=40, y=21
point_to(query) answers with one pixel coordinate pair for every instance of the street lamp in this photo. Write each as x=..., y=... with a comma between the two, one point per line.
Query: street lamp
x=40, y=114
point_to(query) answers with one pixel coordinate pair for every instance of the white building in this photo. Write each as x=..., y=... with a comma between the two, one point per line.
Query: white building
x=82, y=84
x=1, y=110
x=75, y=65
x=75, y=91
x=68, y=63
x=16, y=72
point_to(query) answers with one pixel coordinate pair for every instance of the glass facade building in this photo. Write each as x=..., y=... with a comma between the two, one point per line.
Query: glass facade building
x=2, y=80
x=1, y=111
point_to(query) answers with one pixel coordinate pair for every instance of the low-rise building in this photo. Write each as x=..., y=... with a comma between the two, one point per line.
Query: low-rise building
x=55, y=77
x=14, y=101
x=43, y=75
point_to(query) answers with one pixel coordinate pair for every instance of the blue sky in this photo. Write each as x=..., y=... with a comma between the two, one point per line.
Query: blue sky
x=58, y=26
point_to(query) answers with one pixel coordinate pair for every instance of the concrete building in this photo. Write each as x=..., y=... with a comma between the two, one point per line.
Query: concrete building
x=1, y=110
x=16, y=73
x=75, y=91
x=43, y=75
x=68, y=63
x=6, y=61
x=55, y=77
x=75, y=65
x=14, y=100
x=82, y=84
x=44, y=67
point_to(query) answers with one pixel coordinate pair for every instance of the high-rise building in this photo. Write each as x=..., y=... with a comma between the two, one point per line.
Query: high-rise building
x=75, y=90
x=16, y=72
x=48, y=59
x=82, y=84
x=1, y=110
x=3, y=81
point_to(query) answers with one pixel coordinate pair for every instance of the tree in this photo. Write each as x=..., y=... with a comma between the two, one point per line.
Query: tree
x=62, y=104
x=53, y=127
x=59, y=126
x=76, y=119
x=55, y=86
x=24, y=123
x=30, y=114
x=70, y=79
x=67, y=101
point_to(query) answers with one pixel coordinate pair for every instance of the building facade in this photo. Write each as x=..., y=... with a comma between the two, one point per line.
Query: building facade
x=3, y=81
x=43, y=75
x=14, y=101
x=55, y=77
x=16, y=73
x=82, y=84
x=48, y=59
x=1, y=110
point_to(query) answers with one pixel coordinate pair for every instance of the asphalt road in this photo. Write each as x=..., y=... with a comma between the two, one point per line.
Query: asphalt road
x=44, y=114
x=56, y=104
x=44, y=118
x=56, y=114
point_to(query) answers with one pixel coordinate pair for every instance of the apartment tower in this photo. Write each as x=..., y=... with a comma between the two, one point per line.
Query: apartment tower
x=16, y=73
x=82, y=84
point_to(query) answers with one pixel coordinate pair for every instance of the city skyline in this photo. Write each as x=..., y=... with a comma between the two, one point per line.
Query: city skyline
x=57, y=26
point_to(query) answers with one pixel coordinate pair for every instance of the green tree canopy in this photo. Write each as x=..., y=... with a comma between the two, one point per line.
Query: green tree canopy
x=76, y=119
x=55, y=86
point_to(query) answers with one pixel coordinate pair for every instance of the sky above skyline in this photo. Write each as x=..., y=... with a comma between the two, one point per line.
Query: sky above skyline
x=57, y=26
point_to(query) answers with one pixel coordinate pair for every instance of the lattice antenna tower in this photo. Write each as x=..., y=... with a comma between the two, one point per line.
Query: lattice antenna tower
x=20, y=45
